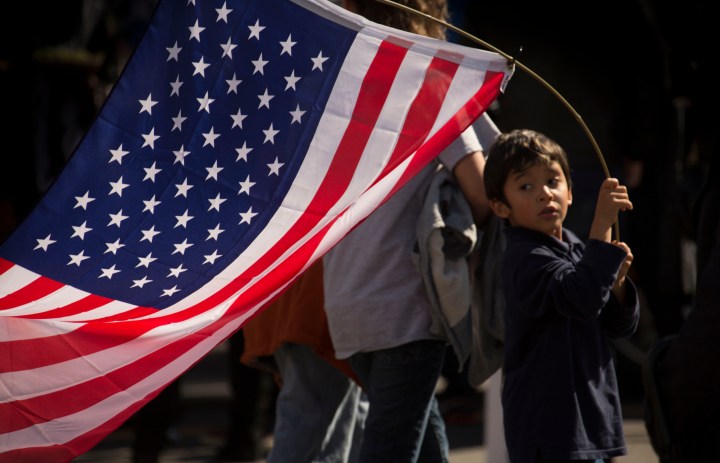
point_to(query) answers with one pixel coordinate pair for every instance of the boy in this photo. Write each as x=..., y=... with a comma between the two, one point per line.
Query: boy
x=563, y=300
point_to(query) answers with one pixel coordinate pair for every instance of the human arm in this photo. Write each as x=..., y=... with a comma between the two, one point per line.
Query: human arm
x=621, y=314
x=612, y=199
x=469, y=174
x=620, y=317
x=468, y=170
x=570, y=278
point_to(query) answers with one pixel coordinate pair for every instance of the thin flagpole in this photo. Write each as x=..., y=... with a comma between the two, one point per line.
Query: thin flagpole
x=513, y=62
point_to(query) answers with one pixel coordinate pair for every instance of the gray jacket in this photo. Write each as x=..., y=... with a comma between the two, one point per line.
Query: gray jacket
x=459, y=267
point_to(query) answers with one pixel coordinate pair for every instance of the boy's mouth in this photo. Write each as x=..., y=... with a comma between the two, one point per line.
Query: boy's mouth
x=548, y=210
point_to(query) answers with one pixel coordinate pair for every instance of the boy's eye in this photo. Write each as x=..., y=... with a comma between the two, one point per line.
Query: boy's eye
x=553, y=182
x=525, y=186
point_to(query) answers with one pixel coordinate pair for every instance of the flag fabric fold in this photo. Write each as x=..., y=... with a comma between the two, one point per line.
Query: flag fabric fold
x=243, y=140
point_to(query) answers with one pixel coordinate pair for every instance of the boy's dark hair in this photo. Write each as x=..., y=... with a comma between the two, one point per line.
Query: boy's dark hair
x=516, y=151
x=407, y=21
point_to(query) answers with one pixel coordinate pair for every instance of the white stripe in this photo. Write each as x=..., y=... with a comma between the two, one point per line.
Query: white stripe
x=466, y=83
x=320, y=154
x=384, y=137
x=59, y=298
x=327, y=136
x=69, y=427
x=310, y=176
x=24, y=384
x=365, y=205
x=15, y=278
x=334, y=122
x=30, y=383
x=100, y=312
x=18, y=329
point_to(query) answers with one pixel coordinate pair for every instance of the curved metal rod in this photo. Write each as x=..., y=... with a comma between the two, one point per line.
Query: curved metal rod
x=512, y=61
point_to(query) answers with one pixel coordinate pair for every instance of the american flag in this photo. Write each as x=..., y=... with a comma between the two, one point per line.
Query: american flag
x=242, y=141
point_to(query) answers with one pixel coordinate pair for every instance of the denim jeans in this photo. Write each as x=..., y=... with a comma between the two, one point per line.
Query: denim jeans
x=320, y=412
x=404, y=424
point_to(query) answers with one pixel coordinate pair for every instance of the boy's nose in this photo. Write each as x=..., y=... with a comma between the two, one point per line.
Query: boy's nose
x=545, y=193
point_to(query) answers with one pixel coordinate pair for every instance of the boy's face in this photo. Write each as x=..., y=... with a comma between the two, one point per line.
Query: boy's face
x=537, y=198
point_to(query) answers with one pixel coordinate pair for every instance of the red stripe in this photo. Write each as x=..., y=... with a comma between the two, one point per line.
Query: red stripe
x=74, y=399
x=56, y=453
x=5, y=265
x=464, y=117
x=422, y=114
x=420, y=119
x=44, y=286
x=94, y=337
x=54, y=405
x=373, y=95
x=23, y=413
x=276, y=278
x=30, y=293
x=79, y=397
x=129, y=314
x=85, y=304
x=482, y=99
x=440, y=81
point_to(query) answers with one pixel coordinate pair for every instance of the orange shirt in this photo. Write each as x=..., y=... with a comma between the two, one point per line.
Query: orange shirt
x=297, y=316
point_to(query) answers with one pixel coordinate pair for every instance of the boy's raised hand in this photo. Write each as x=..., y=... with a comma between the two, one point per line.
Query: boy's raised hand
x=612, y=198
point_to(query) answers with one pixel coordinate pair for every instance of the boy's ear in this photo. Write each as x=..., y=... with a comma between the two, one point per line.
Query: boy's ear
x=569, y=202
x=499, y=208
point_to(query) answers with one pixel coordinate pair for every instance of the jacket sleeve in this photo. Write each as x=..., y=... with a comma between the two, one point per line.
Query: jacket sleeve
x=544, y=281
x=621, y=320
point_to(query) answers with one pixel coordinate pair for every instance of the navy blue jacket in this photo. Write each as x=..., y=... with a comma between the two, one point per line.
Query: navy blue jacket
x=560, y=396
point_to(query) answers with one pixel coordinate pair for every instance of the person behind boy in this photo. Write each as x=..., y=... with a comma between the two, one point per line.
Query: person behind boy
x=564, y=298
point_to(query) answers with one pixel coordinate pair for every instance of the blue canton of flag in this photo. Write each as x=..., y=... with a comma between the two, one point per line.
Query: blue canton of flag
x=191, y=155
